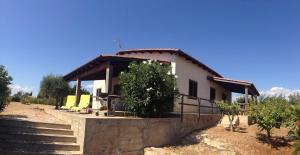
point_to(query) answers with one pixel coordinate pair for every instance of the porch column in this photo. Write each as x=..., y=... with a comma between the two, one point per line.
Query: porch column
x=246, y=95
x=108, y=83
x=78, y=85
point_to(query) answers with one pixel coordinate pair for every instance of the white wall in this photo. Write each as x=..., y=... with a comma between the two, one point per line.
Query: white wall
x=100, y=84
x=185, y=70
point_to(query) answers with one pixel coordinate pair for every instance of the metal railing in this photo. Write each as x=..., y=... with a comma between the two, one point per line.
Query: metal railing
x=199, y=100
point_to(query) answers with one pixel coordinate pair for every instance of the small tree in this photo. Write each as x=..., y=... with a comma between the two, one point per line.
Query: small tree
x=272, y=112
x=5, y=80
x=229, y=109
x=53, y=86
x=148, y=88
x=296, y=132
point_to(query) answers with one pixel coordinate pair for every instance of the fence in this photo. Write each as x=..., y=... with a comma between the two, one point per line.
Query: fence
x=200, y=100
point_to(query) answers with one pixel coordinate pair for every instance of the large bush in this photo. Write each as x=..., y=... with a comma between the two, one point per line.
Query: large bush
x=53, y=86
x=148, y=88
x=273, y=112
x=5, y=80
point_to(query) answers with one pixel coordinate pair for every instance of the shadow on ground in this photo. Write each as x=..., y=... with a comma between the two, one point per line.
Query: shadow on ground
x=238, y=129
x=13, y=116
x=275, y=142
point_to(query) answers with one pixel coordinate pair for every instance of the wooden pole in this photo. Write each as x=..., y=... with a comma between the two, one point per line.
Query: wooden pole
x=77, y=93
x=246, y=95
x=108, y=84
x=199, y=110
x=181, y=111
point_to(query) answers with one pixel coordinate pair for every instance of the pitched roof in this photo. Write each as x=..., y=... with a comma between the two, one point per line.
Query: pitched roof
x=176, y=51
x=236, y=85
x=96, y=61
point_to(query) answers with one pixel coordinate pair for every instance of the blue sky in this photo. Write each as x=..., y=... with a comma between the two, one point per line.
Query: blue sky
x=252, y=40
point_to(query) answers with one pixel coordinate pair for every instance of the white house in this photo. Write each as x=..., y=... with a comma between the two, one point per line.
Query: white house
x=195, y=79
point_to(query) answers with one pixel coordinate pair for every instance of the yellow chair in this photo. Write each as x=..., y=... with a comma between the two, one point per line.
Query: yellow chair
x=71, y=99
x=83, y=104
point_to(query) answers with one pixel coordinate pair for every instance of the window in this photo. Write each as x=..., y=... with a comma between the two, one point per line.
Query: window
x=98, y=92
x=212, y=94
x=117, y=89
x=193, y=88
x=224, y=97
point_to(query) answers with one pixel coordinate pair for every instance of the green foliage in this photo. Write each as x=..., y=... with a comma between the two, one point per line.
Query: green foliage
x=229, y=109
x=294, y=98
x=35, y=100
x=273, y=112
x=296, y=132
x=19, y=96
x=82, y=91
x=53, y=86
x=5, y=81
x=148, y=88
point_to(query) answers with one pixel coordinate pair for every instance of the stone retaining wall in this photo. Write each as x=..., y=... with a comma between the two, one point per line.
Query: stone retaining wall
x=129, y=136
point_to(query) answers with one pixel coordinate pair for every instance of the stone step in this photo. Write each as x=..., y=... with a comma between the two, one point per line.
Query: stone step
x=22, y=123
x=39, y=130
x=16, y=145
x=35, y=137
x=3, y=152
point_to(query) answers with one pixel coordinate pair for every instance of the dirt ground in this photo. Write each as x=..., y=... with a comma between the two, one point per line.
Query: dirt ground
x=245, y=140
x=31, y=112
x=217, y=141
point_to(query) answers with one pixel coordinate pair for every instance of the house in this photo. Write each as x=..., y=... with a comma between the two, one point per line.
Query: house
x=195, y=79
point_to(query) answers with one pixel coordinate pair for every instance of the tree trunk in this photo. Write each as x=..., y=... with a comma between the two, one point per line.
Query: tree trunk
x=231, y=122
x=61, y=101
x=56, y=103
x=269, y=135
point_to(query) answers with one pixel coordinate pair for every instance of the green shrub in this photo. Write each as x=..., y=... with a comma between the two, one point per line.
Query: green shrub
x=229, y=109
x=5, y=81
x=35, y=100
x=273, y=112
x=19, y=96
x=148, y=88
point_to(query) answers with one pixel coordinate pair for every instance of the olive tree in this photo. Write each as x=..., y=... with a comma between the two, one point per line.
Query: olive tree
x=54, y=86
x=5, y=81
x=148, y=88
x=229, y=109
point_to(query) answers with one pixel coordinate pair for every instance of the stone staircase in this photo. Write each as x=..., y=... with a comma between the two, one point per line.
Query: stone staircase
x=36, y=138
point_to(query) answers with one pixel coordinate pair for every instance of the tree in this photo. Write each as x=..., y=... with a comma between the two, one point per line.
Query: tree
x=54, y=86
x=229, y=109
x=82, y=91
x=294, y=98
x=17, y=97
x=148, y=88
x=5, y=81
x=272, y=112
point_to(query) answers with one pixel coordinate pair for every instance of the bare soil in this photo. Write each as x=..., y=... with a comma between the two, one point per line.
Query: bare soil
x=32, y=112
x=247, y=140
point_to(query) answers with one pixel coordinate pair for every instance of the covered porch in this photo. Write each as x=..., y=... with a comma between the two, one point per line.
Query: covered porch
x=103, y=67
x=237, y=86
